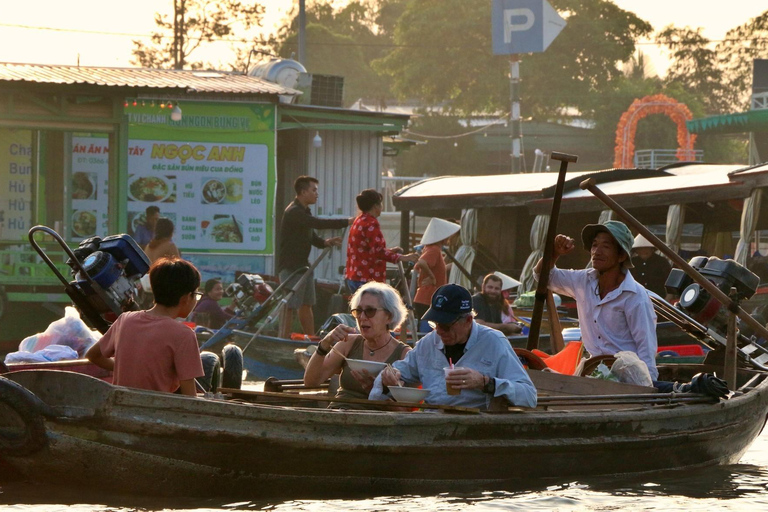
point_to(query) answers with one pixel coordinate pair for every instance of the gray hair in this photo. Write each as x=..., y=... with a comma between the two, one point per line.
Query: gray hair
x=388, y=297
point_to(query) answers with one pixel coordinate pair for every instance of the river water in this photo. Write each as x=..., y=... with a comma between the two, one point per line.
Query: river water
x=740, y=487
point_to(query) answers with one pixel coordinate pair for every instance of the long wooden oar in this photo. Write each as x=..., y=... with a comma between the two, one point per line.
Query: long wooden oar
x=549, y=248
x=284, y=300
x=409, y=304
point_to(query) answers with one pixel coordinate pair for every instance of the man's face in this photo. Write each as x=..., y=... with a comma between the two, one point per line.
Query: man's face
x=456, y=332
x=605, y=253
x=152, y=219
x=309, y=195
x=492, y=289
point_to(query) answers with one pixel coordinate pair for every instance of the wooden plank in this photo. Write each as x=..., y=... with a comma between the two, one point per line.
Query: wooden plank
x=555, y=384
x=359, y=401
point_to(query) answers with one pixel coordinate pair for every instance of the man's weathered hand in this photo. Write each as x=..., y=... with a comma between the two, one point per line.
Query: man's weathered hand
x=563, y=245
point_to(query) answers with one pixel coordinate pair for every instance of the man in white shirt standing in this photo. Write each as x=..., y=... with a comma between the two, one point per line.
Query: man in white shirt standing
x=615, y=312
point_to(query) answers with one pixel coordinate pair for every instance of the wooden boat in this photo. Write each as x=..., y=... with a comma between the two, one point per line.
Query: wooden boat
x=83, y=431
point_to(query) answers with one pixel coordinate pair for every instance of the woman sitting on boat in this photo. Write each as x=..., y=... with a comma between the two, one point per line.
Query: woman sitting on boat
x=209, y=306
x=379, y=310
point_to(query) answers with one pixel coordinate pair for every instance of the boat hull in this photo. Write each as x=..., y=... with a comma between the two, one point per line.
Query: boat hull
x=133, y=440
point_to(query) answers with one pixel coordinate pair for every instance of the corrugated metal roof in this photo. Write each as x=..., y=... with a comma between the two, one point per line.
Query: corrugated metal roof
x=189, y=80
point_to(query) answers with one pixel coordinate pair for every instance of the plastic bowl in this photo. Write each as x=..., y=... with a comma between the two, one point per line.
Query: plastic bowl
x=373, y=367
x=413, y=395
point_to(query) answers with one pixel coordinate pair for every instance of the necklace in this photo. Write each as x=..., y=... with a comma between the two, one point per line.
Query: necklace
x=372, y=351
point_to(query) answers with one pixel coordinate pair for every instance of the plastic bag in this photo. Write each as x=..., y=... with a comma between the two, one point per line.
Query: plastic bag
x=48, y=354
x=604, y=373
x=70, y=331
x=631, y=369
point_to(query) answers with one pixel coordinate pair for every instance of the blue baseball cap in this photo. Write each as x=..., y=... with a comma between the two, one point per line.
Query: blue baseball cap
x=449, y=302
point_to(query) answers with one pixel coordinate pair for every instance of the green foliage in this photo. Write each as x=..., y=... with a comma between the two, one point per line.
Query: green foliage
x=344, y=42
x=695, y=66
x=735, y=54
x=205, y=21
x=439, y=157
x=444, y=54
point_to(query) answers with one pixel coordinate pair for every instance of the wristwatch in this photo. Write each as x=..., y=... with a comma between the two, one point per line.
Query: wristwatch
x=490, y=387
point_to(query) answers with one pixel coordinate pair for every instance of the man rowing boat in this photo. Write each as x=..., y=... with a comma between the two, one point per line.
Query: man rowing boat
x=615, y=312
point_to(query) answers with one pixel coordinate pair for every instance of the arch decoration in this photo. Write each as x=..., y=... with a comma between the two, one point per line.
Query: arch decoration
x=640, y=108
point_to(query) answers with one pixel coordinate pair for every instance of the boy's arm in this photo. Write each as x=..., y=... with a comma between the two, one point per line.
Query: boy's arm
x=187, y=387
x=95, y=356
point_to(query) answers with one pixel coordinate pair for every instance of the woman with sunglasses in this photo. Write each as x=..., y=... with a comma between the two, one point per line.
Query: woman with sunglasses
x=379, y=310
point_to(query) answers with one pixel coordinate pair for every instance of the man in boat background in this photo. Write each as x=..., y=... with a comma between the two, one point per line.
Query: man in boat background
x=651, y=269
x=485, y=364
x=297, y=236
x=145, y=231
x=615, y=312
x=490, y=305
x=367, y=253
x=150, y=349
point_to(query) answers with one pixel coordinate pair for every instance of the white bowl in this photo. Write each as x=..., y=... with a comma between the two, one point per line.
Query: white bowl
x=149, y=189
x=373, y=367
x=414, y=395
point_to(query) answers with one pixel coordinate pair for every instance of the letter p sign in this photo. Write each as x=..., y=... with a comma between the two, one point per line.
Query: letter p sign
x=517, y=20
x=523, y=26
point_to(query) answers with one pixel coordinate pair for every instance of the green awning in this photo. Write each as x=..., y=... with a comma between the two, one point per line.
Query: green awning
x=750, y=121
x=311, y=117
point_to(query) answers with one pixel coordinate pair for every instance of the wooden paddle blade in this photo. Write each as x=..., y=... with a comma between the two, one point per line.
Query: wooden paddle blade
x=555, y=329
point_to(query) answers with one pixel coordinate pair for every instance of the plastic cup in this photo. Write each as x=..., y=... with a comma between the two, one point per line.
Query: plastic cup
x=448, y=388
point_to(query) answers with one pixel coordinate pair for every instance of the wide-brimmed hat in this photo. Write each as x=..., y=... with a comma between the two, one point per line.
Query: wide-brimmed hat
x=438, y=230
x=618, y=230
x=641, y=241
x=507, y=283
x=449, y=302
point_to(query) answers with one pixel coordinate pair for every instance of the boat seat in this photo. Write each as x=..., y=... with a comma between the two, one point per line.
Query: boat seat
x=276, y=385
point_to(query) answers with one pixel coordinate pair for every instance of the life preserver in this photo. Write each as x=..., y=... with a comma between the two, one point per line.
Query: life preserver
x=232, y=373
x=28, y=408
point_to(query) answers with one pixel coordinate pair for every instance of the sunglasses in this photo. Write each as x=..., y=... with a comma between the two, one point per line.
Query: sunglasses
x=370, y=311
x=441, y=326
x=198, y=295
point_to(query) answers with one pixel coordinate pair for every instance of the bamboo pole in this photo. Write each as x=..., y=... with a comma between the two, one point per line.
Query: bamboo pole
x=731, y=350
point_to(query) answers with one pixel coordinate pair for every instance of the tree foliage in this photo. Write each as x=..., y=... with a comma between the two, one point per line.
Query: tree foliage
x=205, y=21
x=444, y=54
x=741, y=46
x=344, y=42
x=443, y=156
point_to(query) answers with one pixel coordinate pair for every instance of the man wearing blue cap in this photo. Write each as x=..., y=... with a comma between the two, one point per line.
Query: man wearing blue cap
x=615, y=312
x=485, y=364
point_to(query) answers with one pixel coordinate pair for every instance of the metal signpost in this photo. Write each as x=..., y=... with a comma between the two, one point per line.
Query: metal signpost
x=521, y=26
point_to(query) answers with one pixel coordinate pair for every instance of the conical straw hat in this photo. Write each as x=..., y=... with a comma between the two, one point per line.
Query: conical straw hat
x=438, y=230
x=641, y=241
x=507, y=283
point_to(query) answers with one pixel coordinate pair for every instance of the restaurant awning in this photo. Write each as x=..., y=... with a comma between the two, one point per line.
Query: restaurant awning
x=750, y=121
